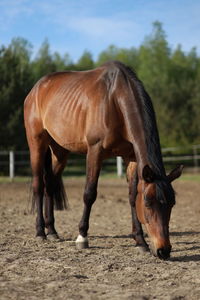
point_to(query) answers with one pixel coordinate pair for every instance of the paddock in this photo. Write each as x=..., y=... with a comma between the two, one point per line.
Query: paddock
x=112, y=268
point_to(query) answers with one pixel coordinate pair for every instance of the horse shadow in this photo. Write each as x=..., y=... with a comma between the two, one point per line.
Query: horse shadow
x=192, y=246
x=186, y=258
x=183, y=233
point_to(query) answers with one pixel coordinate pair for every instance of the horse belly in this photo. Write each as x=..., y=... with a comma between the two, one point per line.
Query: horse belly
x=67, y=135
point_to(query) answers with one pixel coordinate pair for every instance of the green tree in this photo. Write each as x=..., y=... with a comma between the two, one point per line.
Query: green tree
x=15, y=82
x=127, y=56
x=43, y=64
x=182, y=102
x=62, y=63
x=154, y=64
x=85, y=62
x=110, y=53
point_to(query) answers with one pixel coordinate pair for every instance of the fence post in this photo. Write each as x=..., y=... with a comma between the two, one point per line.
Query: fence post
x=11, y=165
x=119, y=166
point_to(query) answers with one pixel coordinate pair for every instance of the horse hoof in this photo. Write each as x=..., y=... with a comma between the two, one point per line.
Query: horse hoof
x=142, y=249
x=53, y=236
x=82, y=242
x=41, y=238
x=80, y=246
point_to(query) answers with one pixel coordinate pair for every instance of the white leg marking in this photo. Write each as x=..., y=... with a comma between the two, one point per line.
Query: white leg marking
x=82, y=242
x=81, y=239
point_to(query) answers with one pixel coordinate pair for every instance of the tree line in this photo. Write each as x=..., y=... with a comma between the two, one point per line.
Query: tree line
x=171, y=77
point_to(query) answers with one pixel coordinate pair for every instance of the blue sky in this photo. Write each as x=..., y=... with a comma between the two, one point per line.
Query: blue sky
x=72, y=26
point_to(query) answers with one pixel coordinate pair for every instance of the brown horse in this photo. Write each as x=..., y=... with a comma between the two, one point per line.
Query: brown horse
x=102, y=112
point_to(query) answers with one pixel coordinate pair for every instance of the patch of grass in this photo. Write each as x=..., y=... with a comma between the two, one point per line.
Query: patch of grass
x=190, y=177
x=5, y=179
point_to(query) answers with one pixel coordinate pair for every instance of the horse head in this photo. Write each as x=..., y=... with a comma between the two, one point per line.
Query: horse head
x=154, y=202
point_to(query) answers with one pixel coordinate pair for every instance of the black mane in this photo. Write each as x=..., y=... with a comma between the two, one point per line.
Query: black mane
x=164, y=190
x=149, y=120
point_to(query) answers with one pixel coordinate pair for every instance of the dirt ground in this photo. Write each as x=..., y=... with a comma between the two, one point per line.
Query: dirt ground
x=112, y=268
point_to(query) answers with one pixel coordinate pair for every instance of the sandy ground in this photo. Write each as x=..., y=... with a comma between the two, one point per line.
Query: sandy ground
x=112, y=268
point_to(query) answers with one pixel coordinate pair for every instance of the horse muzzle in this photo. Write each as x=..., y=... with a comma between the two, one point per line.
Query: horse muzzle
x=164, y=253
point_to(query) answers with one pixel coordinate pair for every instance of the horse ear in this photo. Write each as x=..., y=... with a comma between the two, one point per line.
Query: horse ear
x=174, y=174
x=148, y=174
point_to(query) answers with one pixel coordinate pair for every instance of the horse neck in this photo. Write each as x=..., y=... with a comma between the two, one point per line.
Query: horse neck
x=131, y=99
x=142, y=131
x=147, y=146
x=148, y=154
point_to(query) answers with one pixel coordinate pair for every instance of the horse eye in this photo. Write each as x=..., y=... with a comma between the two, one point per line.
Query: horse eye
x=163, y=202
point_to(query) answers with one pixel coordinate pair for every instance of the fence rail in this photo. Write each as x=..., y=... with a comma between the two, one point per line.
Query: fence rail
x=12, y=162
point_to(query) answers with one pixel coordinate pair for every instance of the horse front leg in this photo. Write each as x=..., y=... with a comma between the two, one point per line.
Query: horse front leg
x=137, y=230
x=90, y=194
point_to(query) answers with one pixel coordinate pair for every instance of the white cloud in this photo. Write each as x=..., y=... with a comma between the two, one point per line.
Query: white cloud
x=85, y=20
x=10, y=11
x=104, y=28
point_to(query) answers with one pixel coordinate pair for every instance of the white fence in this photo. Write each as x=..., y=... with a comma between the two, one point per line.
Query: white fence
x=190, y=156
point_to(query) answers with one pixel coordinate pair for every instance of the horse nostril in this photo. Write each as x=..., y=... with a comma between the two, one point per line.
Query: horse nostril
x=164, y=253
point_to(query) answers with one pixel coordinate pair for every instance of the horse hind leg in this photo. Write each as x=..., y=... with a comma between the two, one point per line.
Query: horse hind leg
x=49, y=194
x=54, y=190
x=37, y=152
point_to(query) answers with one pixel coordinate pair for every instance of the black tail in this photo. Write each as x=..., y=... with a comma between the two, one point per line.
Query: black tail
x=60, y=196
x=56, y=183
